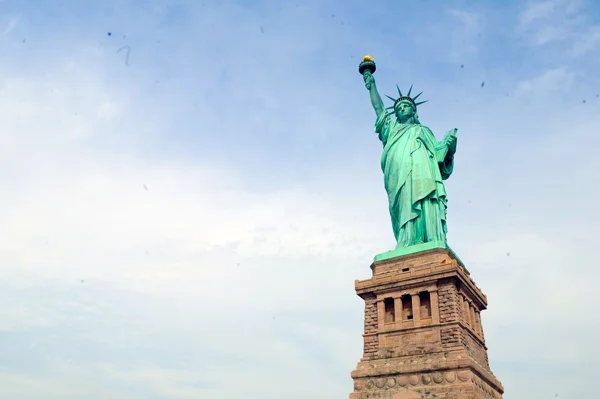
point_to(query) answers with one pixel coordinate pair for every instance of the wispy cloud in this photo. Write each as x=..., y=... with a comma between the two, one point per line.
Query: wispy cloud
x=554, y=80
x=546, y=22
x=587, y=41
x=470, y=19
x=11, y=24
x=534, y=11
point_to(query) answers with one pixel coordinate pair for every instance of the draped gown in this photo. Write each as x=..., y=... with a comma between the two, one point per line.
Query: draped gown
x=414, y=165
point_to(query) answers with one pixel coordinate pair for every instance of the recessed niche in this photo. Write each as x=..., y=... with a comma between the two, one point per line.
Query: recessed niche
x=407, y=310
x=389, y=310
x=425, y=308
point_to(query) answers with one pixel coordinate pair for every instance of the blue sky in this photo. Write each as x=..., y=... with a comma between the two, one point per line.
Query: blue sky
x=187, y=201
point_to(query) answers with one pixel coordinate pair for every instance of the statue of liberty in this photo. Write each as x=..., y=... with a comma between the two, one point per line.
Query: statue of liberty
x=414, y=166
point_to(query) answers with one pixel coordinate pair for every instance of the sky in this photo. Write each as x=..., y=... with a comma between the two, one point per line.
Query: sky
x=189, y=189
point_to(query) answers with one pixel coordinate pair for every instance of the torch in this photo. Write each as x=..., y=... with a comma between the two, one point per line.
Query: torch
x=367, y=64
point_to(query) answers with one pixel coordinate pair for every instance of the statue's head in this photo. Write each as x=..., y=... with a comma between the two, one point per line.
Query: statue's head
x=405, y=107
x=404, y=110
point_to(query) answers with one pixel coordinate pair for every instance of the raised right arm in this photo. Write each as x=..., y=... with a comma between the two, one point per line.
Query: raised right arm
x=375, y=97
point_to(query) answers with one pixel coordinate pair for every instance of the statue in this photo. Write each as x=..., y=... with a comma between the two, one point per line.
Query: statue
x=414, y=166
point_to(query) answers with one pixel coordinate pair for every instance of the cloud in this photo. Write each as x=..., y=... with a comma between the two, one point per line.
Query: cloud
x=467, y=18
x=547, y=22
x=95, y=233
x=587, y=42
x=534, y=11
x=191, y=224
x=11, y=24
x=15, y=385
x=552, y=81
x=19, y=317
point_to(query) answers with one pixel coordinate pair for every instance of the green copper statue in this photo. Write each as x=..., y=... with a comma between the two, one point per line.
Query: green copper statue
x=414, y=165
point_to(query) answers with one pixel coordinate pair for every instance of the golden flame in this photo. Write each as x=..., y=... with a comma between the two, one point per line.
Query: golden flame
x=368, y=58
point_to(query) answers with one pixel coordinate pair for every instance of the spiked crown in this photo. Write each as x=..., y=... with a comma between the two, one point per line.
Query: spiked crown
x=406, y=97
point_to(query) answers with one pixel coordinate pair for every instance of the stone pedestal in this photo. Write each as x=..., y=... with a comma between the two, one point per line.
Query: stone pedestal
x=423, y=334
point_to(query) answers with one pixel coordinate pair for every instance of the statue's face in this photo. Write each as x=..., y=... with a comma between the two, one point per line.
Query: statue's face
x=404, y=110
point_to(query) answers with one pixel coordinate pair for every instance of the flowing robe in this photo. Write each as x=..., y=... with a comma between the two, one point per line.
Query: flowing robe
x=414, y=165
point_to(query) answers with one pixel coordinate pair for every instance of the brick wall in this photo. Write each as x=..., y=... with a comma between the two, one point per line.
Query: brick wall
x=450, y=336
x=448, y=301
x=371, y=325
x=475, y=350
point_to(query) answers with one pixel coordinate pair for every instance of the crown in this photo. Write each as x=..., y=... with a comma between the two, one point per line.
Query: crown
x=406, y=97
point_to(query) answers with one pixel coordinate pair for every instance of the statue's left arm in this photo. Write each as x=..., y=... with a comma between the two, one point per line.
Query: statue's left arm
x=445, y=151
